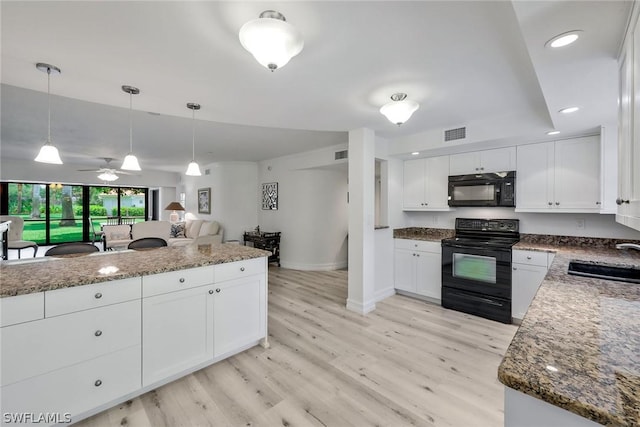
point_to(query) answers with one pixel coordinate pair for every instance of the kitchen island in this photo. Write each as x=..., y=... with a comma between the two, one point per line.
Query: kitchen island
x=80, y=334
x=575, y=360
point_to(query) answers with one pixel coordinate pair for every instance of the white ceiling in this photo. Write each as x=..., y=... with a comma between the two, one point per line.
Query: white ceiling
x=462, y=61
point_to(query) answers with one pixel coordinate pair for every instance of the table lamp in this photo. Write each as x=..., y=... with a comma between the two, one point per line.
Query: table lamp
x=174, y=206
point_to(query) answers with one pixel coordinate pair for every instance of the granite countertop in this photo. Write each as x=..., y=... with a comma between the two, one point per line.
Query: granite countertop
x=578, y=346
x=421, y=233
x=43, y=274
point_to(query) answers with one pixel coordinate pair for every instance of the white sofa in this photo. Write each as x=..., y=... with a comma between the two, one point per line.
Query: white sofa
x=198, y=231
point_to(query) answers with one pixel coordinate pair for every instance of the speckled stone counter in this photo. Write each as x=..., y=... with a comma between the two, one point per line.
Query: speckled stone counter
x=578, y=346
x=48, y=273
x=423, y=233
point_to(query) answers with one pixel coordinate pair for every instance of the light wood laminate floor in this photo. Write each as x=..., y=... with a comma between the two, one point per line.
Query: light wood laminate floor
x=407, y=363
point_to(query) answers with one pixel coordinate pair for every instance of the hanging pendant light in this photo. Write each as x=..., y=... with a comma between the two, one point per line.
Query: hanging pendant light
x=193, y=169
x=48, y=153
x=271, y=39
x=130, y=162
x=400, y=109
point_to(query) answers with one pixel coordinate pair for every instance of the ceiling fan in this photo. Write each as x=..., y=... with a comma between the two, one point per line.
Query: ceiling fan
x=107, y=173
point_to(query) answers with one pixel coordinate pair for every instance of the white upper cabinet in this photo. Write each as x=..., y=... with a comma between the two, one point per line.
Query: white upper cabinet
x=498, y=160
x=560, y=176
x=425, y=184
x=628, y=198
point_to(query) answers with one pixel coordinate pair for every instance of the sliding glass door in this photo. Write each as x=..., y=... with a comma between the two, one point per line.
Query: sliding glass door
x=65, y=214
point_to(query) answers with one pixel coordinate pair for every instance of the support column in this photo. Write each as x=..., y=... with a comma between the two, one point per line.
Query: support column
x=361, y=221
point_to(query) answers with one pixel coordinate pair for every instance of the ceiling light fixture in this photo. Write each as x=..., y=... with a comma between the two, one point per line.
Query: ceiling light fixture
x=193, y=169
x=130, y=162
x=108, y=175
x=400, y=109
x=48, y=152
x=564, y=39
x=569, y=110
x=553, y=132
x=271, y=39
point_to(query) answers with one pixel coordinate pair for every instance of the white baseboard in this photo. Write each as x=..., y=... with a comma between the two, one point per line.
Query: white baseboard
x=384, y=293
x=314, y=267
x=361, y=307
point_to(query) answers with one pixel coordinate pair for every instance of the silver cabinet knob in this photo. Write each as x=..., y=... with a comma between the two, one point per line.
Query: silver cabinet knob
x=98, y=383
x=598, y=203
x=550, y=203
x=98, y=333
x=181, y=280
x=417, y=254
x=557, y=203
x=413, y=254
x=515, y=268
x=98, y=295
x=210, y=291
x=415, y=245
x=241, y=268
x=528, y=257
x=481, y=169
x=218, y=290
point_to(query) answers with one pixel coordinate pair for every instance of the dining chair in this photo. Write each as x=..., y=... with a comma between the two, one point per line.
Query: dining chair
x=14, y=236
x=95, y=234
x=147, y=242
x=71, y=248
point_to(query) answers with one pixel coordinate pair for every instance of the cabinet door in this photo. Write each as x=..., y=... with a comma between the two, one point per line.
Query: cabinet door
x=498, y=160
x=405, y=270
x=437, y=180
x=428, y=274
x=176, y=332
x=534, y=181
x=464, y=163
x=577, y=174
x=526, y=280
x=238, y=313
x=413, y=195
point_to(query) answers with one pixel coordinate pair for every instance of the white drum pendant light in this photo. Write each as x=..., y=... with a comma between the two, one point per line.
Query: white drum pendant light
x=130, y=162
x=48, y=153
x=271, y=39
x=400, y=109
x=193, y=169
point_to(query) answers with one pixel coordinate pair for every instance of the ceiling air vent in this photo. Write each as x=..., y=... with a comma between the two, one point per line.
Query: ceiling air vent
x=342, y=154
x=454, y=134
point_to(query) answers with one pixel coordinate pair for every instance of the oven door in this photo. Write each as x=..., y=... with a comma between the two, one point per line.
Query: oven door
x=477, y=269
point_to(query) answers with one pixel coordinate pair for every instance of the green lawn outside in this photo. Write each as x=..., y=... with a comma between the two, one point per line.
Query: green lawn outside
x=35, y=230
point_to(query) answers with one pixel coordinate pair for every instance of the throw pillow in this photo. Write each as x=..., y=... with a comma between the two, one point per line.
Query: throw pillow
x=177, y=229
x=209, y=228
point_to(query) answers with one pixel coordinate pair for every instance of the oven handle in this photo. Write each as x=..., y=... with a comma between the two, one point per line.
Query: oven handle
x=484, y=248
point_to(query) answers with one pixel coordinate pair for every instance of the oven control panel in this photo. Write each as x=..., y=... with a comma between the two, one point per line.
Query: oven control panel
x=473, y=224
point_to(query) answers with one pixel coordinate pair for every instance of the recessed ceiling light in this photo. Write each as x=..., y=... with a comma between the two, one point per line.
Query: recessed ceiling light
x=553, y=132
x=569, y=110
x=415, y=153
x=564, y=39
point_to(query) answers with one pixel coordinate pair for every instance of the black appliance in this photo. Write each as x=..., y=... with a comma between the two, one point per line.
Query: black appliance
x=476, y=267
x=483, y=189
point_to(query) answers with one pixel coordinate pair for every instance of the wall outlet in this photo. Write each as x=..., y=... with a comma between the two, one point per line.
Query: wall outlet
x=580, y=224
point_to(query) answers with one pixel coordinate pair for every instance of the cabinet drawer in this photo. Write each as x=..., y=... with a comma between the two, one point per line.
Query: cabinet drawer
x=76, y=389
x=21, y=308
x=418, y=245
x=77, y=298
x=172, y=281
x=235, y=270
x=34, y=348
x=529, y=258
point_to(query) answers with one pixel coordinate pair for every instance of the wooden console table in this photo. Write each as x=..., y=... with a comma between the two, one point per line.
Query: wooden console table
x=267, y=241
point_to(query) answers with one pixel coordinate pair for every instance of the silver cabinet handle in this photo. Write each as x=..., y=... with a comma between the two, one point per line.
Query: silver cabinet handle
x=98, y=333
x=241, y=268
x=181, y=280
x=98, y=295
x=528, y=257
x=218, y=290
x=98, y=383
x=620, y=201
x=598, y=203
x=210, y=291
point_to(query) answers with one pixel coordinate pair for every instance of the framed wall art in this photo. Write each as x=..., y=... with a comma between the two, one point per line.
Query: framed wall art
x=270, y=196
x=204, y=200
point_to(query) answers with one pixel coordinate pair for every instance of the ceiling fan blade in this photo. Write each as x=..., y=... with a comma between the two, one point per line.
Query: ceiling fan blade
x=88, y=170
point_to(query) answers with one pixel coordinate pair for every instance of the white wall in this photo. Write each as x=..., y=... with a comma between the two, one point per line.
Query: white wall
x=596, y=225
x=312, y=208
x=234, y=191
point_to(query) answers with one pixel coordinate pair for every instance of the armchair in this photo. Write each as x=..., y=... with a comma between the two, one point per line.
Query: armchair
x=14, y=236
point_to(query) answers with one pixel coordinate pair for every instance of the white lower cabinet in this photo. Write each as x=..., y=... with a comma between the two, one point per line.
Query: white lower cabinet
x=529, y=270
x=418, y=267
x=177, y=332
x=238, y=313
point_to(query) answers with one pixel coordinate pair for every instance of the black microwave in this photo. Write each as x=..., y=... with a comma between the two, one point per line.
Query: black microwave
x=483, y=189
